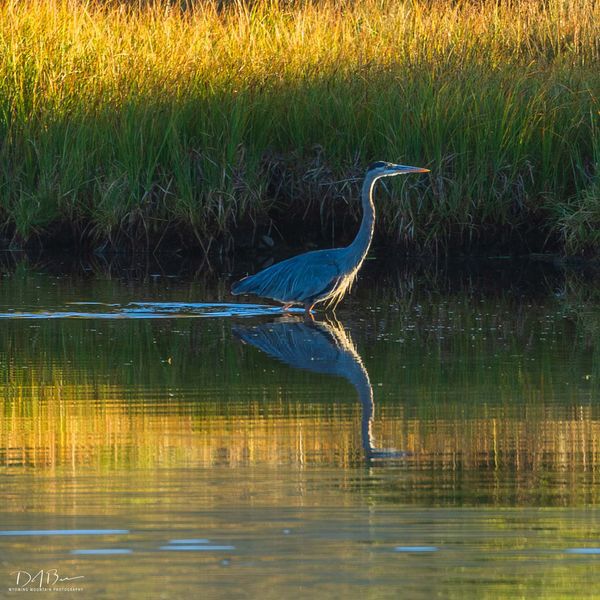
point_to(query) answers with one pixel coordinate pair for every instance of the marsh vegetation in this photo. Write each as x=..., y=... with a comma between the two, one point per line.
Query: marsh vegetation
x=153, y=123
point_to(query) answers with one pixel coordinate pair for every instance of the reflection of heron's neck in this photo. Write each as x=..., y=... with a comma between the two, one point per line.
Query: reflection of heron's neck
x=353, y=368
x=357, y=375
x=360, y=246
x=365, y=393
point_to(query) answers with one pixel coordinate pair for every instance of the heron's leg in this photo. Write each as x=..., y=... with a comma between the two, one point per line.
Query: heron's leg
x=308, y=312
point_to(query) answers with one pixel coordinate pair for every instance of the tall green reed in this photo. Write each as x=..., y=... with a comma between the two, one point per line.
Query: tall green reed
x=139, y=121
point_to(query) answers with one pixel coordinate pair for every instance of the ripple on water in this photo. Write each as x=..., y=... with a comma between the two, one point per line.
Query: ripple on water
x=64, y=532
x=416, y=549
x=201, y=547
x=103, y=551
x=583, y=551
x=152, y=310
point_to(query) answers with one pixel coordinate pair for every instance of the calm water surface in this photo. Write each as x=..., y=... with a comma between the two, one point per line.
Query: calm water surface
x=439, y=438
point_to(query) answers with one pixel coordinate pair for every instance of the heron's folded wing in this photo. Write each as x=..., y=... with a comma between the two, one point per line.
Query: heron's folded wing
x=315, y=277
x=297, y=279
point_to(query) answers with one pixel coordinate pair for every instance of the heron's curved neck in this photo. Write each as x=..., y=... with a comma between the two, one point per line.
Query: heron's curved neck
x=360, y=246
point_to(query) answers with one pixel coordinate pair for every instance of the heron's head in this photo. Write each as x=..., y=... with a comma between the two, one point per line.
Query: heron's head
x=386, y=169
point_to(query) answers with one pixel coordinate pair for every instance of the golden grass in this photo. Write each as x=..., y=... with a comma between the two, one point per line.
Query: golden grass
x=135, y=121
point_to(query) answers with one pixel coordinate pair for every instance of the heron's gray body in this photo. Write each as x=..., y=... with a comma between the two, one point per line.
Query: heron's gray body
x=318, y=276
x=322, y=275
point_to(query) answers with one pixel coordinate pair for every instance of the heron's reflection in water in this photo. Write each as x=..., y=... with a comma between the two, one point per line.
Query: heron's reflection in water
x=321, y=347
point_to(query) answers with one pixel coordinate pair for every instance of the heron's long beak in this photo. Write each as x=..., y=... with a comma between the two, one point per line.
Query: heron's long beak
x=399, y=169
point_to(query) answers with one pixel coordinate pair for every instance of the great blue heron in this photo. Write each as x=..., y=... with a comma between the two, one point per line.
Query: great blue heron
x=323, y=275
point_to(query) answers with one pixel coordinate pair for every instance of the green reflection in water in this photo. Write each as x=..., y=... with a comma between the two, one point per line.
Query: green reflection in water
x=173, y=429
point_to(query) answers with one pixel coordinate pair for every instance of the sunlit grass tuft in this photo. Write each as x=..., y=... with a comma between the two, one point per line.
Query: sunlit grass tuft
x=136, y=121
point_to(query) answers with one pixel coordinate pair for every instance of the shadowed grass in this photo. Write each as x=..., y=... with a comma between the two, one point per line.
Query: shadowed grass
x=132, y=122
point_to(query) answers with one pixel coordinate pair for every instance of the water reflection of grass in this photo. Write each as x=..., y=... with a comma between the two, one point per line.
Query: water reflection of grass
x=119, y=119
x=520, y=407
x=472, y=382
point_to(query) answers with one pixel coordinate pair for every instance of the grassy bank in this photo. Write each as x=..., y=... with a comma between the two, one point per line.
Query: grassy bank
x=137, y=124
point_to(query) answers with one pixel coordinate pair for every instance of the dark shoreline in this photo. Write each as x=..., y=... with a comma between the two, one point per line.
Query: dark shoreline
x=531, y=270
x=283, y=238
